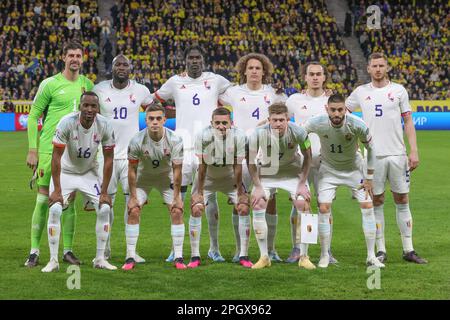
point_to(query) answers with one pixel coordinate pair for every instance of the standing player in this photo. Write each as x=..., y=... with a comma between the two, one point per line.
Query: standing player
x=281, y=168
x=221, y=151
x=155, y=157
x=74, y=168
x=250, y=101
x=304, y=106
x=383, y=105
x=342, y=166
x=120, y=101
x=196, y=96
x=57, y=96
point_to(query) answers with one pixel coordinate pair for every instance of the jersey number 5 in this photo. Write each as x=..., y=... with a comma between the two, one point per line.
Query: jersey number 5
x=378, y=110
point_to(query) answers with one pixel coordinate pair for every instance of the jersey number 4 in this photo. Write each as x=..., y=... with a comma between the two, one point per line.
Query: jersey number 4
x=255, y=114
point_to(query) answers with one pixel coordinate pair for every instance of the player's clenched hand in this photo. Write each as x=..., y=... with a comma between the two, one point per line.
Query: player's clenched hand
x=197, y=204
x=177, y=204
x=368, y=188
x=132, y=203
x=243, y=203
x=302, y=190
x=32, y=159
x=413, y=160
x=257, y=195
x=55, y=197
x=105, y=199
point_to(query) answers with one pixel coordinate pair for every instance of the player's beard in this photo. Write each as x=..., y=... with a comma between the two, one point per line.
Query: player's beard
x=334, y=119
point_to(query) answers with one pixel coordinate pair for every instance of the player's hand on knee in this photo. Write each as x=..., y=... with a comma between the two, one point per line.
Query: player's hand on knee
x=197, y=205
x=368, y=188
x=303, y=191
x=132, y=203
x=55, y=197
x=176, y=208
x=105, y=199
x=243, y=204
x=258, y=195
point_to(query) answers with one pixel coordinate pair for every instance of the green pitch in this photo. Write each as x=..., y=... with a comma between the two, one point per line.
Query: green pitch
x=157, y=279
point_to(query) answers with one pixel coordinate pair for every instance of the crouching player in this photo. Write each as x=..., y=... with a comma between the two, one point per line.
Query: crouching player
x=341, y=165
x=74, y=168
x=221, y=151
x=280, y=167
x=155, y=157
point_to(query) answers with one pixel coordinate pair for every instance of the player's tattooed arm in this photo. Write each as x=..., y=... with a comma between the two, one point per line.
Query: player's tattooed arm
x=56, y=195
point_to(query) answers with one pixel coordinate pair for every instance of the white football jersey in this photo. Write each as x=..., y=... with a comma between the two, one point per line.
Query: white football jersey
x=195, y=100
x=382, y=110
x=220, y=154
x=121, y=108
x=339, y=145
x=303, y=107
x=155, y=157
x=264, y=142
x=82, y=144
x=250, y=106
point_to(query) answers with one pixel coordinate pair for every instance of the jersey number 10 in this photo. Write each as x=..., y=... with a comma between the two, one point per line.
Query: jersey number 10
x=121, y=113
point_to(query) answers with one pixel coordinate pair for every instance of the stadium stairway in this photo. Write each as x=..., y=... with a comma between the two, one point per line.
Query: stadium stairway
x=104, y=7
x=338, y=9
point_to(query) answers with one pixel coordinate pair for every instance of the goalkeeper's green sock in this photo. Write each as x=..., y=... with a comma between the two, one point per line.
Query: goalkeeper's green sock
x=38, y=222
x=68, y=226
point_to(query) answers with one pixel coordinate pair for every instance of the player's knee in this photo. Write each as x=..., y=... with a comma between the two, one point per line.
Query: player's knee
x=133, y=215
x=260, y=205
x=243, y=209
x=55, y=212
x=301, y=205
x=324, y=207
x=366, y=205
x=104, y=210
x=197, y=210
x=378, y=200
x=401, y=198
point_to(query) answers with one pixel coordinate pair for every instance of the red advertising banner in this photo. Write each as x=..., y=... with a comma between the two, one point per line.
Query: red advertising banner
x=21, y=122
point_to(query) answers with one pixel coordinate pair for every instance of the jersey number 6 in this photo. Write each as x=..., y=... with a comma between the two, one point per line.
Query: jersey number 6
x=195, y=100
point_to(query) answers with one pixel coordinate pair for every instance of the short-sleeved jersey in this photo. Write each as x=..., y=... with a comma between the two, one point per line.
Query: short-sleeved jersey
x=81, y=143
x=339, y=145
x=121, y=108
x=303, y=107
x=195, y=100
x=382, y=109
x=55, y=98
x=155, y=157
x=264, y=142
x=250, y=106
x=220, y=153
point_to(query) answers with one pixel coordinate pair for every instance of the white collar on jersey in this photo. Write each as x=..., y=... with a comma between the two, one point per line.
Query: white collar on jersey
x=112, y=85
x=373, y=87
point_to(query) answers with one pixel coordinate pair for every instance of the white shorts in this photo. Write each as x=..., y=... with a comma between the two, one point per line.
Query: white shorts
x=330, y=179
x=224, y=185
x=119, y=173
x=190, y=165
x=270, y=186
x=87, y=184
x=392, y=168
x=161, y=183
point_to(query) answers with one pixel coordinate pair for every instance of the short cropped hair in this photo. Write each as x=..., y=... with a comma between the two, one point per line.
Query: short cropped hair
x=72, y=45
x=336, y=98
x=89, y=93
x=155, y=106
x=241, y=66
x=314, y=63
x=278, y=108
x=194, y=47
x=376, y=55
x=221, y=111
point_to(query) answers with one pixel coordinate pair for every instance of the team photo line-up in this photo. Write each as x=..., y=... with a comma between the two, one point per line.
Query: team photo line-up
x=247, y=154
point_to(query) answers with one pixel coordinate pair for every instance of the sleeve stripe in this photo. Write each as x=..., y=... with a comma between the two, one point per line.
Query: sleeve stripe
x=59, y=145
x=405, y=114
x=109, y=147
x=158, y=97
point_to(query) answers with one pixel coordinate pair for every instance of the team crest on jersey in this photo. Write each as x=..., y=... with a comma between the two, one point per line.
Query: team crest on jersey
x=266, y=99
x=166, y=152
x=132, y=98
x=207, y=86
x=183, y=87
x=368, y=98
x=348, y=136
x=391, y=96
x=96, y=140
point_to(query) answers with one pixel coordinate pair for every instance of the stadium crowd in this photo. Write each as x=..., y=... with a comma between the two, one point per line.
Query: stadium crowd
x=32, y=34
x=415, y=36
x=289, y=32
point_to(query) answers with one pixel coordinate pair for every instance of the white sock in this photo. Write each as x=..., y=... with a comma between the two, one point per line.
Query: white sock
x=177, y=232
x=294, y=228
x=102, y=227
x=331, y=230
x=260, y=227
x=303, y=246
x=54, y=229
x=272, y=221
x=132, y=235
x=244, y=234
x=369, y=228
x=212, y=215
x=379, y=219
x=236, y=227
x=404, y=222
x=195, y=228
x=111, y=220
x=324, y=233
